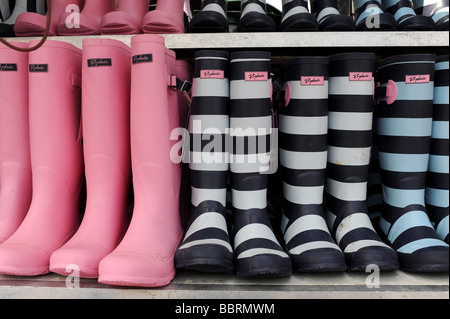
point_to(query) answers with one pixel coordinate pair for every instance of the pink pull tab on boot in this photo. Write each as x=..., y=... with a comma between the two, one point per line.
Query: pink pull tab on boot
x=145, y=256
x=106, y=140
x=56, y=160
x=15, y=162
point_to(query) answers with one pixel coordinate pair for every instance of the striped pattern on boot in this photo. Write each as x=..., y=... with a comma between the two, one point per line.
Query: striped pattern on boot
x=404, y=134
x=257, y=250
x=407, y=20
x=296, y=17
x=212, y=17
x=351, y=84
x=303, y=126
x=206, y=245
x=329, y=17
x=436, y=9
x=437, y=185
x=371, y=17
x=254, y=17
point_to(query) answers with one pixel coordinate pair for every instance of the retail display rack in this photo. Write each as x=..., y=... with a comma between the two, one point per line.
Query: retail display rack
x=195, y=285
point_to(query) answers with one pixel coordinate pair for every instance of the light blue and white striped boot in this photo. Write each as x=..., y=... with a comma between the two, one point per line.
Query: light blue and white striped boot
x=212, y=17
x=206, y=245
x=404, y=135
x=303, y=126
x=436, y=9
x=254, y=17
x=370, y=16
x=407, y=20
x=351, y=81
x=437, y=190
x=257, y=250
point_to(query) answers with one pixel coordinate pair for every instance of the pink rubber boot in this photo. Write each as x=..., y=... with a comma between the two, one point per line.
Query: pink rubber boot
x=127, y=19
x=106, y=139
x=30, y=24
x=15, y=162
x=145, y=257
x=168, y=17
x=89, y=18
x=56, y=160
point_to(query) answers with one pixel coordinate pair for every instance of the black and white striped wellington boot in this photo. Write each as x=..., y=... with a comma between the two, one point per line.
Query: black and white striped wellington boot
x=212, y=17
x=303, y=126
x=437, y=185
x=296, y=17
x=20, y=6
x=329, y=17
x=206, y=245
x=436, y=9
x=374, y=187
x=404, y=135
x=258, y=252
x=407, y=20
x=370, y=16
x=351, y=90
x=254, y=17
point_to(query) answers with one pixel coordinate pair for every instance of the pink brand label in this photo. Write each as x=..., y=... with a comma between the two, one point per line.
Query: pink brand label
x=212, y=74
x=360, y=76
x=313, y=80
x=422, y=78
x=256, y=76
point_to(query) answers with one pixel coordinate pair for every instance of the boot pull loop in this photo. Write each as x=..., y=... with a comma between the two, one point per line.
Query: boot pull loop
x=73, y=79
x=74, y=82
x=184, y=87
x=389, y=92
x=287, y=96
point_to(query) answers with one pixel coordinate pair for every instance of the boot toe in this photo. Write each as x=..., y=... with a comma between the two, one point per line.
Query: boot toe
x=31, y=24
x=160, y=22
x=431, y=259
x=23, y=260
x=125, y=268
x=204, y=22
x=384, y=258
x=118, y=22
x=208, y=258
x=321, y=260
x=267, y=266
x=82, y=257
x=87, y=26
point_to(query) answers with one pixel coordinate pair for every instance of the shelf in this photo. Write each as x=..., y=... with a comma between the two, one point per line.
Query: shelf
x=285, y=40
x=195, y=285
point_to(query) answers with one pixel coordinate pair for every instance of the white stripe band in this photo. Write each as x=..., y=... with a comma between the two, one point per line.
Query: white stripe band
x=343, y=86
x=351, y=222
x=303, y=125
x=304, y=223
x=200, y=195
x=348, y=121
x=211, y=87
x=347, y=191
x=303, y=195
x=245, y=200
x=349, y=156
x=303, y=160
